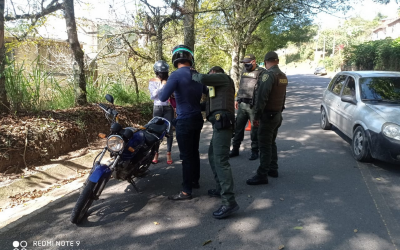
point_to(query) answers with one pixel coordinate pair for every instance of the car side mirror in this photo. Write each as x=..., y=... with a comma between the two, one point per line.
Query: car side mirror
x=349, y=99
x=110, y=98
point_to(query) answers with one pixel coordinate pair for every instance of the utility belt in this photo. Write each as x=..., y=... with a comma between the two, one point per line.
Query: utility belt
x=222, y=120
x=245, y=100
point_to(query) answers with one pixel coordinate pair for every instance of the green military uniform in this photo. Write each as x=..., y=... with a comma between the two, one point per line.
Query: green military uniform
x=220, y=105
x=270, y=97
x=245, y=112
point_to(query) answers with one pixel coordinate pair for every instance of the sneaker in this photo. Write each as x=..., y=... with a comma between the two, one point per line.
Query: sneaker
x=257, y=180
x=214, y=193
x=224, y=211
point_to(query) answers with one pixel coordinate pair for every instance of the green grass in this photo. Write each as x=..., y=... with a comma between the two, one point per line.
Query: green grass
x=33, y=88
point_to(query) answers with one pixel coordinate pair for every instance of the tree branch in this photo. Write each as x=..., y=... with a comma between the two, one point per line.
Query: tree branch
x=134, y=51
x=52, y=7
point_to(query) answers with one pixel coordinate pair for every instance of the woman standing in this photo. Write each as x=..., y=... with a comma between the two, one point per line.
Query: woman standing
x=161, y=109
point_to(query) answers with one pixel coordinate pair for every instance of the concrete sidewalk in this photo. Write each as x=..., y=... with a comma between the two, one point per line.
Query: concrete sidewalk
x=47, y=185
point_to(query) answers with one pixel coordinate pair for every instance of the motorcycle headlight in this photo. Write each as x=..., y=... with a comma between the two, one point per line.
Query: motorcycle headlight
x=115, y=143
x=391, y=130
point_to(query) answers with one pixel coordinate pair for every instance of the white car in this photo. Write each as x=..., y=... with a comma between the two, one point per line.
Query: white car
x=365, y=106
x=320, y=70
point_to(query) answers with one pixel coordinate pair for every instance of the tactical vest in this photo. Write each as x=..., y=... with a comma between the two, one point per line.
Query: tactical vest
x=276, y=99
x=224, y=98
x=247, y=83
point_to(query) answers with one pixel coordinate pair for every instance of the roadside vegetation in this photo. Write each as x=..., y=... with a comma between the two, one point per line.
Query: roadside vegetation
x=43, y=76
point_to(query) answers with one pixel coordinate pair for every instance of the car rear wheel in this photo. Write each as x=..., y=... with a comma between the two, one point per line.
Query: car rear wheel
x=325, y=124
x=360, y=145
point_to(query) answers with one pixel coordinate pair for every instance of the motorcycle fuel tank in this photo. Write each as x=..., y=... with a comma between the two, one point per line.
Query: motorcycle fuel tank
x=135, y=142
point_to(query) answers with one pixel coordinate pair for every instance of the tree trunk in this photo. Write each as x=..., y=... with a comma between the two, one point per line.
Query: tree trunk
x=79, y=65
x=159, y=44
x=235, y=70
x=135, y=81
x=4, y=104
x=188, y=23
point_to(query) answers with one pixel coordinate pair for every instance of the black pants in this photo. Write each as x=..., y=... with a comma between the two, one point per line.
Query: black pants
x=188, y=137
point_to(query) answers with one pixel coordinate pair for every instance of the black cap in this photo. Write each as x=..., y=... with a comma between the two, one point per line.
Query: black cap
x=248, y=58
x=270, y=56
x=217, y=69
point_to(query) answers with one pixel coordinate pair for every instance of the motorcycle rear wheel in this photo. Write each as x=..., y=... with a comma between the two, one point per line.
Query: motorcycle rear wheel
x=84, y=202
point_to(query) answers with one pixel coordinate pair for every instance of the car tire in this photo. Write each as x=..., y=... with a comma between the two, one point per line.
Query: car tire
x=360, y=147
x=324, y=121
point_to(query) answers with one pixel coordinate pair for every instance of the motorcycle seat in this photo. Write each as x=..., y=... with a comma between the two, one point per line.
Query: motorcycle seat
x=150, y=139
x=157, y=129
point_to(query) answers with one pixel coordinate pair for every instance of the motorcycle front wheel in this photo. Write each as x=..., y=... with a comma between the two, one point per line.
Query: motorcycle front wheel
x=84, y=202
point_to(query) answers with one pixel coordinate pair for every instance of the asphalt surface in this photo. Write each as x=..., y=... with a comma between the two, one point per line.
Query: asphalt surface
x=323, y=199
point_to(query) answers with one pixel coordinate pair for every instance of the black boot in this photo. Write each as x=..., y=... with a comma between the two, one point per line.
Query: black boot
x=257, y=180
x=234, y=152
x=225, y=211
x=214, y=193
x=273, y=173
x=254, y=156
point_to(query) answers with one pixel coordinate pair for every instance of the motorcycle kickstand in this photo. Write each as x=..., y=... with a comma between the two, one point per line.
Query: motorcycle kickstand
x=131, y=181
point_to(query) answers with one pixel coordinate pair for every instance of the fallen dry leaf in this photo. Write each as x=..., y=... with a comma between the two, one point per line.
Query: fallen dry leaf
x=355, y=230
x=156, y=223
x=281, y=247
x=206, y=242
x=378, y=179
x=298, y=228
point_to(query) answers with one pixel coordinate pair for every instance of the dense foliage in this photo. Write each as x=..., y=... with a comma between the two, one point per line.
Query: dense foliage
x=374, y=55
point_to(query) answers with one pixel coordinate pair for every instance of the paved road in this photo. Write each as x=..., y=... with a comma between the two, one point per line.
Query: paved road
x=323, y=199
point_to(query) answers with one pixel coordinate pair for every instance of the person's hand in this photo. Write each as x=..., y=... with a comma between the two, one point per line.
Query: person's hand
x=163, y=81
x=256, y=123
x=236, y=105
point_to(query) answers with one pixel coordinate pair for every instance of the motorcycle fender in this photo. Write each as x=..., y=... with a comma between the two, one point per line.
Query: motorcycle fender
x=99, y=171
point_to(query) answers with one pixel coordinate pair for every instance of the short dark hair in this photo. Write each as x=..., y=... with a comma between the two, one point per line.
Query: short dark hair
x=216, y=69
x=271, y=56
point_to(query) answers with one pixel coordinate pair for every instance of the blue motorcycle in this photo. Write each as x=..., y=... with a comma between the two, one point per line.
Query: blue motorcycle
x=131, y=153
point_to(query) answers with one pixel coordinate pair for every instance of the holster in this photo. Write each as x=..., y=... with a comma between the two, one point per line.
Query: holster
x=223, y=121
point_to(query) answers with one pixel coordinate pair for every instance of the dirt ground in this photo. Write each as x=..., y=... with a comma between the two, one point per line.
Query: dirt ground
x=29, y=140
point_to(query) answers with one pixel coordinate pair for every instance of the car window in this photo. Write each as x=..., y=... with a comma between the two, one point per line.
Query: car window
x=380, y=89
x=332, y=81
x=338, y=85
x=350, y=88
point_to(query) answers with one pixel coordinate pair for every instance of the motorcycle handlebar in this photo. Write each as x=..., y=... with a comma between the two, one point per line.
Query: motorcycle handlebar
x=103, y=107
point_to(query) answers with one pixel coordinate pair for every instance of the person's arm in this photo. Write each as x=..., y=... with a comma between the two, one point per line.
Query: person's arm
x=168, y=88
x=264, y=83
x=154, y=89
x=211, y=79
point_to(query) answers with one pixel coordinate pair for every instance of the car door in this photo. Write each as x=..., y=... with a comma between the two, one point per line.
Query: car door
x=346, y=110
x=333, y=99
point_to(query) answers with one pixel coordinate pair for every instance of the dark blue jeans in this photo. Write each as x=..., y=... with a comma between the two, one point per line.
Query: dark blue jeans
x=188, y=137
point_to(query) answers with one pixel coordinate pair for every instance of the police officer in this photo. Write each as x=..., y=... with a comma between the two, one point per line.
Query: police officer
x=270, y=95
x=221, y=113
x=244, y=105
